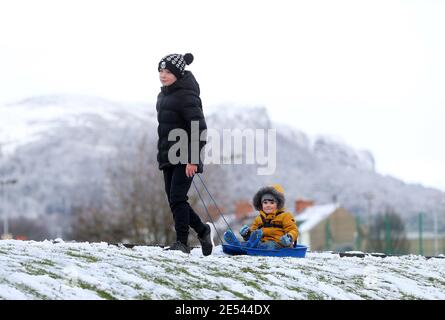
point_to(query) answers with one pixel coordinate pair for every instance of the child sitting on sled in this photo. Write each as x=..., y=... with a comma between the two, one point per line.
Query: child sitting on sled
x=273, y=228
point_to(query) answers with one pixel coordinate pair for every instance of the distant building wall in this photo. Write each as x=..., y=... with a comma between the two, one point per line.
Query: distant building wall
x=428, y=244
x=342, y=233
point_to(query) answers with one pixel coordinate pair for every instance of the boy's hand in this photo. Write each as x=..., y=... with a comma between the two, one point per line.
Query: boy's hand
x=286, y=240
x=244, y=230
x=190, y=169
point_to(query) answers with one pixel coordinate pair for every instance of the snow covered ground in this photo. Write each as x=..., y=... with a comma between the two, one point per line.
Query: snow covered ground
x=47, y=270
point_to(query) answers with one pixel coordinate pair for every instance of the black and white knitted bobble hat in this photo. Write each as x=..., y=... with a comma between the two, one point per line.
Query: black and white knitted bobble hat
x=176, y=63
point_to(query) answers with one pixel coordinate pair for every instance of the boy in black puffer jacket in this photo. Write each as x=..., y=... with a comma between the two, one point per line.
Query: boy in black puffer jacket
x=179, y=107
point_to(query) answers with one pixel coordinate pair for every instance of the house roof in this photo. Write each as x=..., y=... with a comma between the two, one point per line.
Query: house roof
x=313, y=215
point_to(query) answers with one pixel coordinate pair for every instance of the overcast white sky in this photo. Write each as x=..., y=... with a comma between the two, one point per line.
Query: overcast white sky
x=369, y=72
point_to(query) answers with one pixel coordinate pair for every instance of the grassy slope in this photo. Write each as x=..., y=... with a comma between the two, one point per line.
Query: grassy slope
x=42, y=270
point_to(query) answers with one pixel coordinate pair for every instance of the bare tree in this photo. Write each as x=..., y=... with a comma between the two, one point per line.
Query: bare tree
x=387, y=234
x=135, y=209
x=138, y=189
x=28, y=229
x=94, y=223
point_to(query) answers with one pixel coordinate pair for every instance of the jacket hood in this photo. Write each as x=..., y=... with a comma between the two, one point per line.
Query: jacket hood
x=186, y=82
x=272, y=190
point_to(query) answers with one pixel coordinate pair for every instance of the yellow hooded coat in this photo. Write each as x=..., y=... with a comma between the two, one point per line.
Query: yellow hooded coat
x=275, y=225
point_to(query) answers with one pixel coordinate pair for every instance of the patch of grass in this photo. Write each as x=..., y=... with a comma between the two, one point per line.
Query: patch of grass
x=253, y=284
x=101, y=293
x=364, y=296
x=273, y=295
x=83, y=256
x=306, y=272
x=296, y=289
x=182, y=293
x=236, y=293
x=247, y=270
x=35, y=271
x=27, y=289
x=177, y=269
x=359, y=282
x=168, y=284
x=161, y=281
x=32, y=291
x=253, y=272
x=45, y=262
x=312, y=295
x=408, y=297
x=133, y=285
x=231, y=275
x=144, y=296
x=185, y=295
x=436, y=281
x=322, y=278
x=195, y=286
x=220, y=273
x=131, y=256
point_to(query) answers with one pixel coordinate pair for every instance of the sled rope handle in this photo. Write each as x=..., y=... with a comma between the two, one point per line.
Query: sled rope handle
x=207, y=211
x=219, y=211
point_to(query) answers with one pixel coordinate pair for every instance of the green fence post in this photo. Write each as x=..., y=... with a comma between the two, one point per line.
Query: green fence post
x=328, y=235
x=421, y=233
x=358, y=240
x=388, y=248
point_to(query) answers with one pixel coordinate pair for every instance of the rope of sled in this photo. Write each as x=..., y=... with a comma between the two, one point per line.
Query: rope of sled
x=219, y=211
x=205, y=206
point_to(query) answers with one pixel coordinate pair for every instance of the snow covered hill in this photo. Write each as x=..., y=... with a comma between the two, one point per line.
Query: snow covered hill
x=47, y=270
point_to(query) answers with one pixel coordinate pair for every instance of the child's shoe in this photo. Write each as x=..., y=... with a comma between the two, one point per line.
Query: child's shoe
x=254, y=239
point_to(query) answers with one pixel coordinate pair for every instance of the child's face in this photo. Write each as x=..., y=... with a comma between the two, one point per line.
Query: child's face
x=167, y=78
x=269, y=206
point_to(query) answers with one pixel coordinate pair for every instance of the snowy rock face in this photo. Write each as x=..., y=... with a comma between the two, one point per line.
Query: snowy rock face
x=240, y=118
x=60, y=148
x=338, y=153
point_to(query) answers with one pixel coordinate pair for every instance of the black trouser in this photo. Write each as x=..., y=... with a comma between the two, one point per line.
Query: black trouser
x=177, y=185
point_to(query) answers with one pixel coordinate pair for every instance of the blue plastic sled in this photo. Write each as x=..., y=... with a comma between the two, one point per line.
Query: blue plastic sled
x=299, y=251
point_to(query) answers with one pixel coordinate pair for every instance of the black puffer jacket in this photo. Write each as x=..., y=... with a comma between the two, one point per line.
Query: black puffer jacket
x=177, y=106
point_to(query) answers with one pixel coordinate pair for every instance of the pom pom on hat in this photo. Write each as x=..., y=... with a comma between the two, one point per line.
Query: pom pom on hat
x=188, y=57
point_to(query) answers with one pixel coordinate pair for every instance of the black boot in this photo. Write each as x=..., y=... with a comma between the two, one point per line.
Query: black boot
x=207, y=240
x=178, y=245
